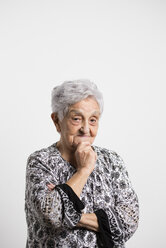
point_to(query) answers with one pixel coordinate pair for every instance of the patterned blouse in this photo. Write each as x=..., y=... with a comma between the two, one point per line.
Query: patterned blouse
x=52, y=215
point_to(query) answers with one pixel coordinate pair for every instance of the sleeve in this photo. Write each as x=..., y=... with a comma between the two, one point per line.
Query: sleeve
x=60, y=208
x=119, y=222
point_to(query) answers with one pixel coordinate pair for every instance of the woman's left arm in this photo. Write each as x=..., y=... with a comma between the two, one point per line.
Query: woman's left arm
x=116, y=224
x=120, y=221
x=89, y=221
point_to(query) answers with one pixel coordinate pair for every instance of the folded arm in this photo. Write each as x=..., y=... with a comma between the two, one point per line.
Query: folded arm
x=119, y=221
x=57, y=207
x=60, y=207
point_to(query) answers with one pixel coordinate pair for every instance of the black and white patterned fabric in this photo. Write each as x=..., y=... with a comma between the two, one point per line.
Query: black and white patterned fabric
x=52, y=215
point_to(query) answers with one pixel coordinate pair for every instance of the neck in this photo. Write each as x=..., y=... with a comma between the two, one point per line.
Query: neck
x=68, y=155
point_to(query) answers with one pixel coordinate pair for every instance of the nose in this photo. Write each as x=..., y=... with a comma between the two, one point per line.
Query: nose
x=85, y=128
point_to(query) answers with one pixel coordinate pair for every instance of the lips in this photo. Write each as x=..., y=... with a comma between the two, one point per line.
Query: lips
x=83, y=136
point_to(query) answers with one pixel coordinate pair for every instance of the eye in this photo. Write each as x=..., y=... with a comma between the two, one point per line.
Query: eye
x=76, y=119
x=93, y=121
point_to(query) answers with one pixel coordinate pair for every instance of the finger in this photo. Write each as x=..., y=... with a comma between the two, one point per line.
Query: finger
x=86, y=149
x=83, y=144
x=51, y=186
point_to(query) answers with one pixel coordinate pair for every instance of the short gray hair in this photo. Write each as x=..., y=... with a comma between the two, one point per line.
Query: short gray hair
x=71, y=92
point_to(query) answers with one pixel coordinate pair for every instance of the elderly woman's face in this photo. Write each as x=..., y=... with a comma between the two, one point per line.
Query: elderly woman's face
x=80, y=124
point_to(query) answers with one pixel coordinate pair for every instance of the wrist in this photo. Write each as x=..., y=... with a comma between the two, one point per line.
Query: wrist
x=85, y=172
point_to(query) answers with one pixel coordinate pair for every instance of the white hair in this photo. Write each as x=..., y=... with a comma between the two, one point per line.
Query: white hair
x=71, y=92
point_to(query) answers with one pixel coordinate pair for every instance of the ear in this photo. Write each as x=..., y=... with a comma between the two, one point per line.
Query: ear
x=55, y=119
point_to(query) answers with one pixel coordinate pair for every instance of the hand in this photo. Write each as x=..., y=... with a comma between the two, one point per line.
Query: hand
x=50, y=186
x=89, y=221
x=85, y=157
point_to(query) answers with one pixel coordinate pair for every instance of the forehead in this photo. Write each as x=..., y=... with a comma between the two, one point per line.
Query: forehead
x=88, y=105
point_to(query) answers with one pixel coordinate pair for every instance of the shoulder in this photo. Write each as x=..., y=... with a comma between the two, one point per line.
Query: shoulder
x=114, y=157
x=42, y=155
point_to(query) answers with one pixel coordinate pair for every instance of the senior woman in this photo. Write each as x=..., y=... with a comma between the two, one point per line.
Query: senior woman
x=78, y=194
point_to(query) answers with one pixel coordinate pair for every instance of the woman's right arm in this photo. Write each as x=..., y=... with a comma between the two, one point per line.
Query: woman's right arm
x=85, y=163
x=60, y=208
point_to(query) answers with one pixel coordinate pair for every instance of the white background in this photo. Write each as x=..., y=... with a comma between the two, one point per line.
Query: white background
x=120, y=45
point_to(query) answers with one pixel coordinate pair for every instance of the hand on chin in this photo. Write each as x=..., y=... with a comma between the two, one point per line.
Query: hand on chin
x=80, y=139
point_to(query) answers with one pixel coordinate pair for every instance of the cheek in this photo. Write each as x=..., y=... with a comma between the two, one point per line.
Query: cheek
x=72, y=129
x=94, y=131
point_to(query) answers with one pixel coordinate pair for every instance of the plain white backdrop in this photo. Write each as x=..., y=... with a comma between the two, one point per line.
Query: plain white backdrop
x=120, y=45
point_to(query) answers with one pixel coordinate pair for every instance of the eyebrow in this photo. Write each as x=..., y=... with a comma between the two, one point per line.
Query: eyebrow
x=78, y=112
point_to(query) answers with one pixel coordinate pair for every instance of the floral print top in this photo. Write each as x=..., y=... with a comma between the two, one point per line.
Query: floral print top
x=52, y=215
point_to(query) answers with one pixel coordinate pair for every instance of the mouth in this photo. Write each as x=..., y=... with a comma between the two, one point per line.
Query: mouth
x=83, y=136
